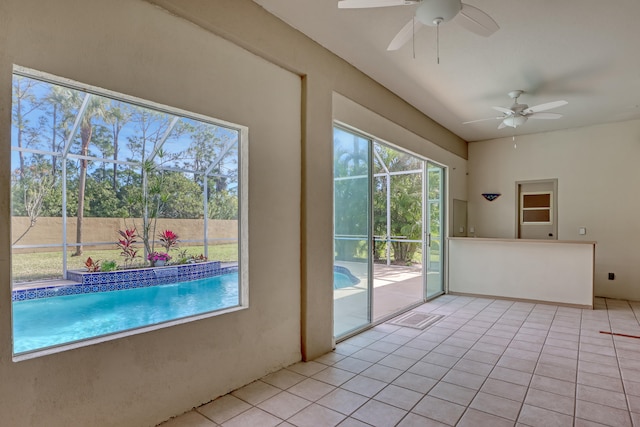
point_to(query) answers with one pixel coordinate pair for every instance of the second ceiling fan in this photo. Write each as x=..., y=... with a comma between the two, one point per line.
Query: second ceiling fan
x=431, y=13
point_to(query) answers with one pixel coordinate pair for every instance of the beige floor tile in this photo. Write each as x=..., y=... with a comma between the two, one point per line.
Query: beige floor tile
x=411, y=353
x=464, y=379
x=450, y=350
x=559, y=351
x=384, y=347
x=369, y=355
x=397, y=362
x=550, y=401
x=254, y=417
x=421, y=344
x=496, y=405
x=564, y=362
x=256, y=392
x=352, y=422
x=511, y=375
x=476, y=418
x=329, y=358
x=382, y=373
x=599, y=369
x=481, y=356
x=379, y=414
x=307, y=368
x=398, y=396
x=603, y=397
x=468, y=365
x=224, y=408
x=429, y=370
x=311, y=389
x=343, y=401
x=365, y=386
x=517, y=364
x=352, y=365
x=539, y=417
x=440, y=359
x=415, y=382
x=415, y=420
x=190, y=419
x=563, y=388
x=439, y=410
x=504, y=389
x=315, y=415
x=284, y=405
x=453, y=393
x=283, y=378
x=602, y=414
x=607, y=383
x=558, y=372
x=630, y=374
x=334, y=376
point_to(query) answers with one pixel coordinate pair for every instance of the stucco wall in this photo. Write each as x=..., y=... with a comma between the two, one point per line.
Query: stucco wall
x=598, y=178
x=238, y=64
x=141, y=50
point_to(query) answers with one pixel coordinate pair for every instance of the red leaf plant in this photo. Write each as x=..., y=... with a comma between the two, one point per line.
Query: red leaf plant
x=168, y=240
x=126, y=245
x=92, y=266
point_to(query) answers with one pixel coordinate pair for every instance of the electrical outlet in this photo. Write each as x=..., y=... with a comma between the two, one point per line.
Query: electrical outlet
x=612, y=276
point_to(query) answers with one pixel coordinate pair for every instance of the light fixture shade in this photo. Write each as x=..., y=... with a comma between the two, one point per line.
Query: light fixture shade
x=433, y=12
x=515, y=121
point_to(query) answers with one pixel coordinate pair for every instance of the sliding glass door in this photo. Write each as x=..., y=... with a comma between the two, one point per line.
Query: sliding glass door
x=388, y=231
x=352, y=231
x=434, y=257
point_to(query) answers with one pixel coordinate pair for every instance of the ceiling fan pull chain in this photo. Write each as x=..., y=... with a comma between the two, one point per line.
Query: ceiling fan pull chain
x=413, y=36
x=438, y=40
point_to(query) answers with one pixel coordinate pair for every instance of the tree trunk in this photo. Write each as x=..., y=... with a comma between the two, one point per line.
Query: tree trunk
x=85, y=134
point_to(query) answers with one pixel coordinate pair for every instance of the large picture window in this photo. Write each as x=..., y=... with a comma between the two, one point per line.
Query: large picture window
x=125, y=214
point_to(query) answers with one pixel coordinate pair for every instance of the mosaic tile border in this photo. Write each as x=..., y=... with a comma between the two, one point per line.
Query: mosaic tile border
x=126, y=279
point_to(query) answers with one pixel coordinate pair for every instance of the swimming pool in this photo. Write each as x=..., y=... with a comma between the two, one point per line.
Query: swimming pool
x=47, y=322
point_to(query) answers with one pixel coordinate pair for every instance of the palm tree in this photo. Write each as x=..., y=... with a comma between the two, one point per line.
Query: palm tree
x=95, y=109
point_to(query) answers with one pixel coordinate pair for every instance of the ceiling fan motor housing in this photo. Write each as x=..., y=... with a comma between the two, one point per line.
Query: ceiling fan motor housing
x=434, y=12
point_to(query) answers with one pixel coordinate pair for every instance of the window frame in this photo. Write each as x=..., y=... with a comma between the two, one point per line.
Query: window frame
x=242, y=200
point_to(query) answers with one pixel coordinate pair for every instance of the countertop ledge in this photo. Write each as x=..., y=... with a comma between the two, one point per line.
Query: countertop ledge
x=487, y=239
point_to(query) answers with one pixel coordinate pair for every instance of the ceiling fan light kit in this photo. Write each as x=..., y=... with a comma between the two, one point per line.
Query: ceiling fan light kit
x=431, y=13
x=518, y=114
x=435, y=12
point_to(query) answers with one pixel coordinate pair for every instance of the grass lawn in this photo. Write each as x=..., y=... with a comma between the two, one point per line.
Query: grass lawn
x=28, y=267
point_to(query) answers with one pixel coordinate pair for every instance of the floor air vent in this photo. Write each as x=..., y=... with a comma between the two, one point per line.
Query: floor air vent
x=414, y=319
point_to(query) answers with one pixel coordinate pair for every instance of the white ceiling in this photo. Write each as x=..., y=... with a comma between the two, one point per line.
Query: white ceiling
x=586, y=52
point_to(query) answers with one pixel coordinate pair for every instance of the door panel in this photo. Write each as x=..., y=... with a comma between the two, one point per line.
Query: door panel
x=352, y=232
x=435, y=232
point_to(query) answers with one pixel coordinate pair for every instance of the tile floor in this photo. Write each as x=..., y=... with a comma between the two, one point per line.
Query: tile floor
x=486, y=363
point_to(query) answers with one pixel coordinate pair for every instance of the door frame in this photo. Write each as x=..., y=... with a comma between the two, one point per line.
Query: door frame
x=554, y=203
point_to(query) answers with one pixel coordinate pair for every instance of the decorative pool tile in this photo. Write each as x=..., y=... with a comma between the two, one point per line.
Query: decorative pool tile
x=119, y=280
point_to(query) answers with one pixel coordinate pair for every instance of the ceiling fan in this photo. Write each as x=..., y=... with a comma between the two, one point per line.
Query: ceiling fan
x=431, y=13
x=518, y=114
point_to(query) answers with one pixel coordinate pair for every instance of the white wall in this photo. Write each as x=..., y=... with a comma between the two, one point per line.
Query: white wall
x=272, y=79
x=138, y=49
x=598, y=181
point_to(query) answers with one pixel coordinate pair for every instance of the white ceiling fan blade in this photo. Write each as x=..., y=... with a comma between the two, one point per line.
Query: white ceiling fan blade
x=544, y=107
x=502, y=125
x=476, y=21
x=482, y=120
x=405, y=34
x=546, y=116
x=504, y=110
x=365, y=4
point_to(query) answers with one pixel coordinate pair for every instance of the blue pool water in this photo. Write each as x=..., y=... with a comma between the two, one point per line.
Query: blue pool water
x=47, y=322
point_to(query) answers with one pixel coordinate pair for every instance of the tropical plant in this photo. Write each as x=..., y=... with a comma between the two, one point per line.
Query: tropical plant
x=126, y=245
x=109, y=266
x=92, y=266
x=158, y=256
x=168, y=240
